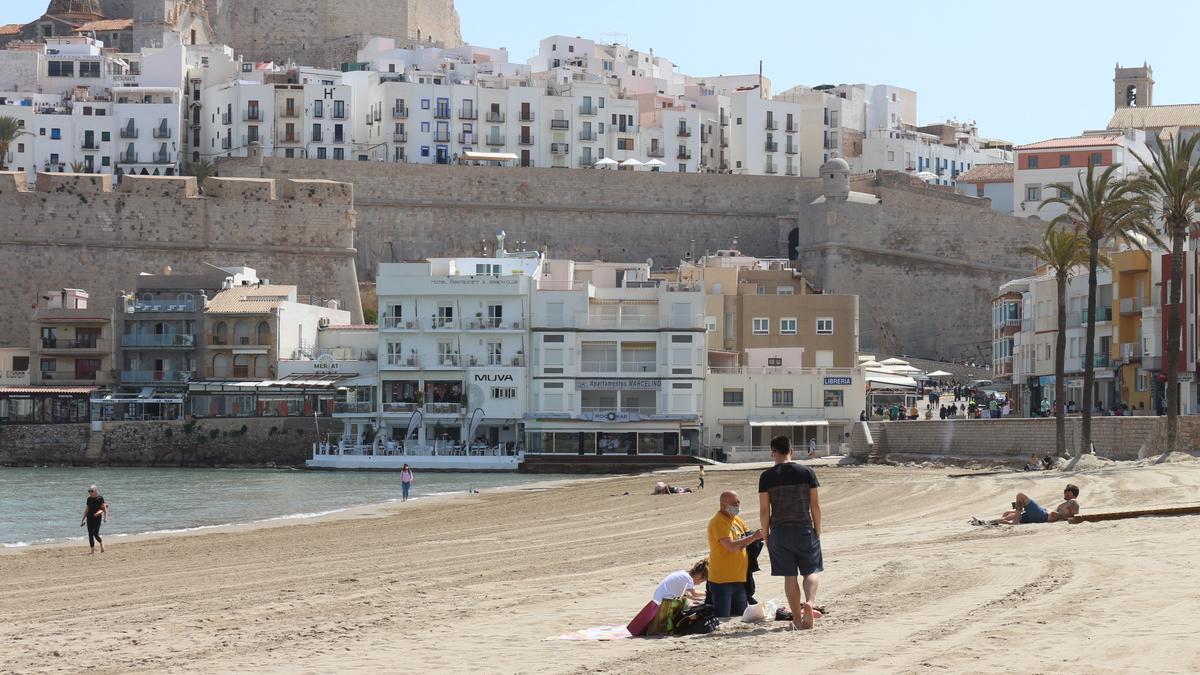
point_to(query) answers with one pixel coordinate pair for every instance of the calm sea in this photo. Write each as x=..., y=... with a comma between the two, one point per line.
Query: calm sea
x=44, y=505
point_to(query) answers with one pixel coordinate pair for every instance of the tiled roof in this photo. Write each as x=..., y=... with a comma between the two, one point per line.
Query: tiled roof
x=249, y=299
x=105, y=25
x=10, y=29
x=47, y=390
x=1073, y=142
x=1000, y=172
x=1156, y=116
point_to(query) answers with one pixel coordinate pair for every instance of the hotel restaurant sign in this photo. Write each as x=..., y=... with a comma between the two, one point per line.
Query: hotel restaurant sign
x=617, y=383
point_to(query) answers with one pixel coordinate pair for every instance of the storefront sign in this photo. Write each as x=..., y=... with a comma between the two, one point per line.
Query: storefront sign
x=589, y=384
x=839, y=381
x=474, y=281
x=325, y=362
x=1186, y=377
x=610, y=416
x=491, y=377
x=1045, y=380
x=1075, y=384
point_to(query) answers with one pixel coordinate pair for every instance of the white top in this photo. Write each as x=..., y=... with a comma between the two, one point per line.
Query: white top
x=674, y=586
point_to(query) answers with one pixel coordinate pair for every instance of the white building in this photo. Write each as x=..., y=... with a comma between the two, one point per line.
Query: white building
x=1044, y=166
x=88, y=109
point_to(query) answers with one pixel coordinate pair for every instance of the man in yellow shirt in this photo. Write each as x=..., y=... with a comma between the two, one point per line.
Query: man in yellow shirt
x=728, y=537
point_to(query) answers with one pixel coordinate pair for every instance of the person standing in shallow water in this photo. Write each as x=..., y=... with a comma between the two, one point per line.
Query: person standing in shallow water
x=406, y=477
x=94, y=513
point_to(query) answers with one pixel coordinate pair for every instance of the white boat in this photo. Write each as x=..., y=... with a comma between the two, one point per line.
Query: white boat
x=339, y=454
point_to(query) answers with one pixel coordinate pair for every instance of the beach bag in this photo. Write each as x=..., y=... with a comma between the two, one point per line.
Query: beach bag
x=668, y=614
x=696, y=621
x=642, y=621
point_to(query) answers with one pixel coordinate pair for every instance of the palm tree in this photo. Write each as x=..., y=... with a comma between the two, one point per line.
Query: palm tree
x=1172, y=184
x=202, y=170
x=10, y=130
x=78, y=167
x=1060, y=249
x=1103, y=209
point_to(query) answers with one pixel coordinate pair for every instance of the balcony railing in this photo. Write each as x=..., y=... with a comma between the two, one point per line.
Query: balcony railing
x=400, y=112
x=443, y=409
x=560, y=148
x=1102, y=314
x=441, y=136
x=468, y=114
x=74, y=344
x=495, y=140
x=490, y=323
x=772, y=124
x=159, y=340
x=226, y=118
x=400, y=137
x=252, y=115
x=360, y=407
x=403, y=360
x=89, y=144
x=163, y=306
x=397, y=323
x=1131, y=305
x=609, y=366
x=525, y=116
x=684, y=132
x=525, y=140
x=148, y=376
x=289, y=113
x=790, y=171
x=560, y=124
x=587, y=109
x=240, y=341
x=441, y=113
x=724, y=139
x=656, y=152
x=724, y=120
x=771, y=168
x=587, y=135
x=791, y=149
x=791, y=128
x=466, y=138
x=129, y=132
x=1102, y=360
x=683, y=154
x=639, y=410
x=227, y=143
x=495, y=116
x=400, y=407
x=162, y=158
x=162, y=132
x=771, y=146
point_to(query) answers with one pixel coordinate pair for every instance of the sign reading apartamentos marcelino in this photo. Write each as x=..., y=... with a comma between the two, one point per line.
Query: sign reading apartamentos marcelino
x=839, y=381
x=616, y=384
x=474, y=281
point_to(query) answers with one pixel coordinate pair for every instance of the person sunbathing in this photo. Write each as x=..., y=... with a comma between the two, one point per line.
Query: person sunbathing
x=1026, y=511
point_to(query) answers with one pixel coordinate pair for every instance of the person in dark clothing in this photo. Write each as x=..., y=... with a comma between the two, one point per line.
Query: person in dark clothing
x=94, y=513
x=790, y=515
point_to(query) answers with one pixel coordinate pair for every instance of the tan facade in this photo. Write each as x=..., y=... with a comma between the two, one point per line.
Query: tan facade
x=70, y=340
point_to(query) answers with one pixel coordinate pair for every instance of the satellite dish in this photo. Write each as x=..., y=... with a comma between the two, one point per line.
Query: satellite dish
x=650, y=262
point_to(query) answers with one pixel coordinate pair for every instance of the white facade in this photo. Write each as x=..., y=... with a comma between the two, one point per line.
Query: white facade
x=1042, y=167
x=915, y=152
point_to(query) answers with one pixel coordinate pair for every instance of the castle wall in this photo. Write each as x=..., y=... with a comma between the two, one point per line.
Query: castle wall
x=77, y=231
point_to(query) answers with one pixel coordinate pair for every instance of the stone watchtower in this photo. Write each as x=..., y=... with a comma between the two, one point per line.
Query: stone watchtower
x=1133, y=87
x=835, y=180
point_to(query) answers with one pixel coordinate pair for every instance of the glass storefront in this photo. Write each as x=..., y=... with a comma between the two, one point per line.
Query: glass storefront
x=604, y=442
x=44, y=408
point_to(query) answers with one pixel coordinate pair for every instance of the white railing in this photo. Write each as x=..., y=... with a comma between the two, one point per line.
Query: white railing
x=640, y=410
x=396, y=407
x=781, y=370
x=390, y=322
x=400, y=360
x=588, y=366
x=411, y=449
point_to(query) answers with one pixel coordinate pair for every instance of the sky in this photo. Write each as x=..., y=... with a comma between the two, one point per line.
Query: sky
x=1023, y=71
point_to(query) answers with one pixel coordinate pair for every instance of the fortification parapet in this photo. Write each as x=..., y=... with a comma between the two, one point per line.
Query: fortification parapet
x=166, y=187
x=319, y=191
x=75, y=183
x=244, y=189
x=12, y=182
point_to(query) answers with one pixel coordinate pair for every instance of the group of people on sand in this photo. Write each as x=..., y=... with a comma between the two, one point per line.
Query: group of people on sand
x=790, y=530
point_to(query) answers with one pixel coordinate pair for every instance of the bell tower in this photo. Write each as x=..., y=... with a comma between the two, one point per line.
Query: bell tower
x=1133, y=87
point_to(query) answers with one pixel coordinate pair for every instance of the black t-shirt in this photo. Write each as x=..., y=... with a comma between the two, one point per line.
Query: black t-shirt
x=788, y=486
x=94, y=504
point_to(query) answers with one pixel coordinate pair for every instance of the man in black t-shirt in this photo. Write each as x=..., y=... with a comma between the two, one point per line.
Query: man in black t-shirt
x=95, y=511
x=790, y=516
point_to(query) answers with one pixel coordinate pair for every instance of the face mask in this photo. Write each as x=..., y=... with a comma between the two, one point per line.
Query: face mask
x=733, y=509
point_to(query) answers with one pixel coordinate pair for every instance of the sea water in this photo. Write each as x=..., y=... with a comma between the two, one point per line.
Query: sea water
x=45, y=505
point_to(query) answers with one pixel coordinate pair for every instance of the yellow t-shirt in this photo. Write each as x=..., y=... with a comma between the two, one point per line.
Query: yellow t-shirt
x=725, y=567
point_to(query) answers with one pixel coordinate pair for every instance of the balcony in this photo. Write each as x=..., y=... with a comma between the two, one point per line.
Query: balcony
x=287, y=139
x=239, y=341
x=604, y=410
x=588, y=109
x=89, y=144
x=771, y=146
x=560, y=125
x=71, y=376
x=155, y=376
x=78, y=344
x=1101, y=360
x=724, y=120
x=587, y=135
x=791, y=171
x=771, y=168
x=656, y=152
x=1131, y=305
x=611, y=366
x=400, y=112
x=231, y=372
x=289, y=113
x=443, y=409
x=560, y=148
x=468, y=114
x=684, y=132
x=495, y=140
x=1130, y=352
x=139, y=306
x=129, y=132
x=791, y=128
x=495, y=117
x=724, y=139
x=163, y=340
x=441, y=114
x=227, y=143
x=525, y=116
x=402, y=361
x=317, y=136
x=524, y=140
x=162, y=132
x=162, y=158
x=1102, y=314
x=400, y=137
x=791, y=149
x=356, y=408
x=467, y=138
x=683, y=154
x=252, y=115
x=772, y=125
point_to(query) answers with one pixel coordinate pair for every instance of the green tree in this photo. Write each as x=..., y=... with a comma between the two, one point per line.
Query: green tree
x=10, y=130
x=1171, y=183
x=1061, y=249
x=78, y=167
x=202, y=170
x=1104, y=210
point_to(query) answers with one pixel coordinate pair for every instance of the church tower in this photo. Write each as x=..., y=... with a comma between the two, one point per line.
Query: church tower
x=1133, y=87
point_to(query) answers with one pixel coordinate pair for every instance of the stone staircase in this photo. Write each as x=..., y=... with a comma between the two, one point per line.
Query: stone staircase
x=95, y=447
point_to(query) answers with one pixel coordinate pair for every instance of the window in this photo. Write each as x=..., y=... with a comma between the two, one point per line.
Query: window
x=61, y=69
x=835, y=398
x=761, y=326
x=781, y=398
x=787, y=327
x=891, y=156
x=339, y=110
x=89, y=69
x=1064, y=160
x=825, y=326
x=1097, y=158
x=1143, y=381
x=1033, y=193
x=425, y=127
x=733, y=398
x=1031, y=163
x=774, y=361
x=56, y=134
x=487, y=270
x=424, y=150
x=339, y=153
x=318, y=108
x=105, y=136
x=785, y=290
x=494, y=354
x=681, y=339
x=733, y=433
x=504, y=392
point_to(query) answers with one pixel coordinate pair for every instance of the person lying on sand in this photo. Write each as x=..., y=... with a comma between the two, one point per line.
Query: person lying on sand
x=666, y=489
x=1025, y=511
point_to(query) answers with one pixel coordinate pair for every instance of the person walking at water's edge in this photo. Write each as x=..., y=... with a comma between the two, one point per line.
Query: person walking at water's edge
x=94, y=513
x=789, y=513
x=406, y=477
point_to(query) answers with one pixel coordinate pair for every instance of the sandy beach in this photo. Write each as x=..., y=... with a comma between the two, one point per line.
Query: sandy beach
x=486, y=582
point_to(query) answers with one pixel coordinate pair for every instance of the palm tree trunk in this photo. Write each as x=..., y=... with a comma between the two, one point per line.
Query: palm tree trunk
x=1089, y=355
x=3, y=153
x=1172, y=356
x=1060, y=356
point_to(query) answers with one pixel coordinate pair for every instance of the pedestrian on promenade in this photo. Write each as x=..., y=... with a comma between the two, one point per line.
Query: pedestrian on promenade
x=790, y=513
x=95, y=511
x=701, y=485
x=406, y=478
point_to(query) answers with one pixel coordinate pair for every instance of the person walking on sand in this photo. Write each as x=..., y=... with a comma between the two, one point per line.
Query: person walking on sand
x=728, y=563
x=701, y=485
x=790, y=513
x=406, y=477
x=94, y=513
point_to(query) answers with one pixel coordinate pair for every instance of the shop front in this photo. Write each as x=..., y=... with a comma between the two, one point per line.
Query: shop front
x=45, y=405
x=611, y=433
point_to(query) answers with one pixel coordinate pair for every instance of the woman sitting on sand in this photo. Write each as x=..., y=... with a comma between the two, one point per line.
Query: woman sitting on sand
x=682, y=584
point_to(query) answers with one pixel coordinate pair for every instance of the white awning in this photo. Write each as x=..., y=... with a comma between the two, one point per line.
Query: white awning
x=883, y=380
x=489, y=156
x=786, y=422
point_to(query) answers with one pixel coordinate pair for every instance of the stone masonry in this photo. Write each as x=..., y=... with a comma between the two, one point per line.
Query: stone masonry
x=76, y=231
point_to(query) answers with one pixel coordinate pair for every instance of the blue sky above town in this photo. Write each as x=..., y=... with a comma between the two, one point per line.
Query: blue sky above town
x=1023, y=70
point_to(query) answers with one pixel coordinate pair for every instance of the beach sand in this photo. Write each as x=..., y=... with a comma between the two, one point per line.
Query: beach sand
x=486, y=582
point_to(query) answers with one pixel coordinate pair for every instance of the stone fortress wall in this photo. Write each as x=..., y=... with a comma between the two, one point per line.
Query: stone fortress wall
x=77, y=231
x=924, y=262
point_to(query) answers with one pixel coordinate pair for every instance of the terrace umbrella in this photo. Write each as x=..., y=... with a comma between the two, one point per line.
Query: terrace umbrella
x=894, y=362
x=927, y=176
x=938, y=373
x=654, y=164
x=605, y=162
x=631, y=163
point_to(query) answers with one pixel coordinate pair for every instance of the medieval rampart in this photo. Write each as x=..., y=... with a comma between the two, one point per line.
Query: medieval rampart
x=76, y=230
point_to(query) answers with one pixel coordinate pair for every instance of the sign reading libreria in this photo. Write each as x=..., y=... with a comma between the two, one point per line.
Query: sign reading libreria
x=616, y=384
x=839, y=381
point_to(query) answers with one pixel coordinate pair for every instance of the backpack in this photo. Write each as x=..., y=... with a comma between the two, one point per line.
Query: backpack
x=696, y=621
